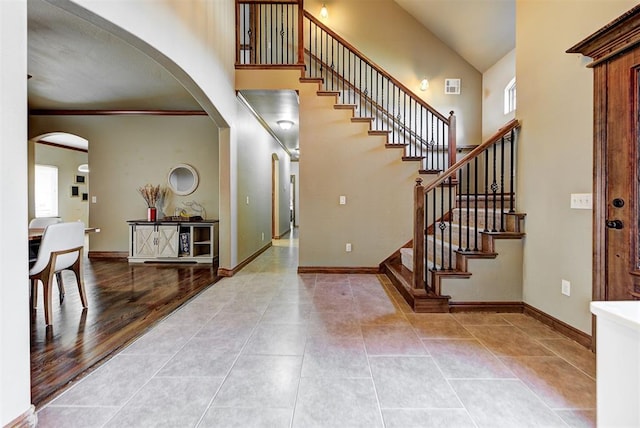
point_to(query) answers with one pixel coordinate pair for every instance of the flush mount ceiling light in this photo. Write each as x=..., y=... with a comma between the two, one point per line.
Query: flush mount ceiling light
x=324, y=13
x=83, y=167
x=285, y=124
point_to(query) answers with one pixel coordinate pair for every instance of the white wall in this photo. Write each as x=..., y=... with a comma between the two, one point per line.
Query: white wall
x=15, y=390
x=494, y=81
x=555, y=154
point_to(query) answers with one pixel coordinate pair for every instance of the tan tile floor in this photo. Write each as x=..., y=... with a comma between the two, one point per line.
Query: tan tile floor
x=270, y=348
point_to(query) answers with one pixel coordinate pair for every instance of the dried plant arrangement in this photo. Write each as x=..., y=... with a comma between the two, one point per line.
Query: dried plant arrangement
x=152, y=194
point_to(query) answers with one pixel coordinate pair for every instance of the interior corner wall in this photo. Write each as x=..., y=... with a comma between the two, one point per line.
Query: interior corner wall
x=15, y=390
x=127, y=152
x=255, y=149
x=393, y=39
x=70, y=208
x=494, y=81
x=555, y=150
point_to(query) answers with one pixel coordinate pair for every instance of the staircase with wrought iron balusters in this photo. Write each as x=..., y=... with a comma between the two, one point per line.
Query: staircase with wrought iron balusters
x=467, y=250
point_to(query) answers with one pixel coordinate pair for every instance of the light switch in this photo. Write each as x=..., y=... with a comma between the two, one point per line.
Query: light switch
x=343, y=200
x=94, y=199
x=581, y=201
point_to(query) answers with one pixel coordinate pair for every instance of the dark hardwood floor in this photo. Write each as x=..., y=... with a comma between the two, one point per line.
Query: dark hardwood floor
x=124, y=301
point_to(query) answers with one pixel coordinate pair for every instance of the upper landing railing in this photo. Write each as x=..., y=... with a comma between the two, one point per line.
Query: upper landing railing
x=268, y=35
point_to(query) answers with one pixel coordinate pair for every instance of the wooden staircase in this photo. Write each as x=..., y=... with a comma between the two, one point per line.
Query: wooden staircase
x=472, y=217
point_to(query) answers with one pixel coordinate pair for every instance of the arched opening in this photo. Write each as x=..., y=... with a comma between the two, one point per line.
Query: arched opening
x=60, y=185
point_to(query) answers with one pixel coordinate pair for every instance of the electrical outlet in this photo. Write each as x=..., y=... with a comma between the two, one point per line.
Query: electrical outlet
x=94, y=199
x=343, y=200
x=348, y=247
x=566, y=287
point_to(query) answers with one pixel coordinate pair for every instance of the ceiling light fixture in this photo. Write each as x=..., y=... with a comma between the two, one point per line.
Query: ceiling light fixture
x=324, y=13
x=285, y=124
x=424, y=84
x=83, y=168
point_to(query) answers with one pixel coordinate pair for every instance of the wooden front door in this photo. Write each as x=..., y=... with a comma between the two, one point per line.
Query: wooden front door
x=615, y=50
x=620, y=179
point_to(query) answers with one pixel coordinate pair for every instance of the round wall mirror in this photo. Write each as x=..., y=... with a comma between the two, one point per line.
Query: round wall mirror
x=183, y=179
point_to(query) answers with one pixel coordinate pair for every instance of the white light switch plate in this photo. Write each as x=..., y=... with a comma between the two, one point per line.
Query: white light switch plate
x=582, y=201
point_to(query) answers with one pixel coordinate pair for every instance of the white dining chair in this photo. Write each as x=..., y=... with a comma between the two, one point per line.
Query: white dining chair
x=42, y=223
x=61, y=249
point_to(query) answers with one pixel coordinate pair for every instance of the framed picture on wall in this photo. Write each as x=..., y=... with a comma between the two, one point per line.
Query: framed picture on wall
x=75, y=191
x=80, y=179
x=85, y=196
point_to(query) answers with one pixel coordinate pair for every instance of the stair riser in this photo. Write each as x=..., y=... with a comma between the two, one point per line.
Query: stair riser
x=490, y=221
x=474, y=239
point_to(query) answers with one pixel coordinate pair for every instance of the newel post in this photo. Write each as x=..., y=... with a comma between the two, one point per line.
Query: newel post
x=301, y=32
x=452, y=138
x=418, y=235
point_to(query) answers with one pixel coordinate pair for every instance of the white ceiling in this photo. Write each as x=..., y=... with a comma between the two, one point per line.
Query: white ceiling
x=481, y=31
x=77, y=66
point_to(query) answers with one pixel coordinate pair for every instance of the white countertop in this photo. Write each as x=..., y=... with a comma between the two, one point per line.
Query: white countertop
x=625, y=313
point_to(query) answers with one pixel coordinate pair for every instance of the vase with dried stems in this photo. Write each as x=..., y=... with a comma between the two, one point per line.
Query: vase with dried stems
x=152, y=195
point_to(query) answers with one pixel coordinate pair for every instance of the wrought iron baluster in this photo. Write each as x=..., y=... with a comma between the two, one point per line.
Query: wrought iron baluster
x=511, y=172
x=475, y=205
x=459, y=211
x=502, y=184
x=450, y=191
x=494, y=189
x=486, y=189
x=467, y=194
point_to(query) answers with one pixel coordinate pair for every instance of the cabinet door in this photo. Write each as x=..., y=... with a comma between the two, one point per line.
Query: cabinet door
x=167, y=241
x=144, y=241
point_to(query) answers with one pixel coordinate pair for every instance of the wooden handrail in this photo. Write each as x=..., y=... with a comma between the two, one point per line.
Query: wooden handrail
x=377, y=68
x=472, y=154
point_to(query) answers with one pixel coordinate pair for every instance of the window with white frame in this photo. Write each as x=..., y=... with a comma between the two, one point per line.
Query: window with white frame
x=46, y=191
x=510, y=97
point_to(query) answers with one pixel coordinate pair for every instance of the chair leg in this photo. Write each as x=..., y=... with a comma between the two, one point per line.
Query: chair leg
x=47, y=281
x=34, y=293
x=60, y=286
x=79, y=272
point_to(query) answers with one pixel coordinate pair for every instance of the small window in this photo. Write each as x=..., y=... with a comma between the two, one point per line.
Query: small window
x=46, y=191
x=510, y=97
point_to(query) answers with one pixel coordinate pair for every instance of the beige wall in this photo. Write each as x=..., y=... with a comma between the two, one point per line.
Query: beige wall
x=69, y=208
x=127, y=152
x=255, y=150
x=338, y=157
x=409, y=53
x=494, y=81
x=555, y=156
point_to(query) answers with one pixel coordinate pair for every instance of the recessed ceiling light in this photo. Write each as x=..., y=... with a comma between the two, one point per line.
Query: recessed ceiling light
x=285, y=124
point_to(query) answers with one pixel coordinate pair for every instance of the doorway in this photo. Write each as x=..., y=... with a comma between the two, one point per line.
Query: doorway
x=275, y=197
